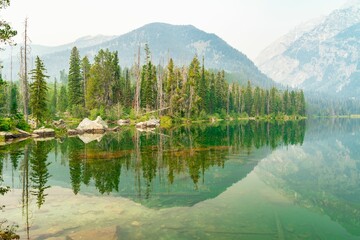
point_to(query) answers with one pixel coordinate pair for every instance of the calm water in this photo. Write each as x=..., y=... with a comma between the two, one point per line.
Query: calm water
x=291, y=180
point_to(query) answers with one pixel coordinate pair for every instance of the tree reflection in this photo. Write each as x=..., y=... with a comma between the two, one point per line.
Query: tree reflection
x=39, y=170
x=185, y=150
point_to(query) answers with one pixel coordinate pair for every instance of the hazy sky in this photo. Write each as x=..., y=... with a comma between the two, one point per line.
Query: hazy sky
x=248, y=25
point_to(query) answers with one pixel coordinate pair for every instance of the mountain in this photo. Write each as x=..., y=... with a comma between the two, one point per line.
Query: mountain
x=40, y=50
x=180, y=42
x=322, y=55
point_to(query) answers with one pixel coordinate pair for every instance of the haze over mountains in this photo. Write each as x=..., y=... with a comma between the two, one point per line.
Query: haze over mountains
x=321, y=55
x=180, y=42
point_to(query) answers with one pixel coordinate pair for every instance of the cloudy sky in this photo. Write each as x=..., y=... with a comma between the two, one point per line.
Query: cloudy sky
x=248, y=25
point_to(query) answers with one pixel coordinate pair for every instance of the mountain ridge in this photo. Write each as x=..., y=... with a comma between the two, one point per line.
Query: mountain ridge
x=180, y=42
x=323, y=58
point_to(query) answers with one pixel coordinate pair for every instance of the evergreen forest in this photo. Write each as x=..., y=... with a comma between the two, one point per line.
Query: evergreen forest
x=104, y=88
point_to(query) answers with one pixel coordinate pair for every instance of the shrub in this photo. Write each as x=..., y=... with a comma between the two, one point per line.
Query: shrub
x=5, y=124
x=203, y=115
x=20, y=122
x=114, y=113
x=79, y=111
x=165, y=121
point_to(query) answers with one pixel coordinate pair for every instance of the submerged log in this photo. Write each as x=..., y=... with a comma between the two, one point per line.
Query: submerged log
x=8, y=136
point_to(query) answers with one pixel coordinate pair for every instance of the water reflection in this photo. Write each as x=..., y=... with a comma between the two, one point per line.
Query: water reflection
x=183, y=153
x=170, y=167
x=322, y=175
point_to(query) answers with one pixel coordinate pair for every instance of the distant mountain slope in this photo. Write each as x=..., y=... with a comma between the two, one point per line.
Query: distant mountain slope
x=323, y=57
x=178, y=42
x=40, y=50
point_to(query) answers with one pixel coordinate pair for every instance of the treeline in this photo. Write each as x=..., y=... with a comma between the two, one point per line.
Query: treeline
x=192, y=92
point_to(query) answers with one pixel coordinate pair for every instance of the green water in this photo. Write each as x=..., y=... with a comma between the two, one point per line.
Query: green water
x=293, y=180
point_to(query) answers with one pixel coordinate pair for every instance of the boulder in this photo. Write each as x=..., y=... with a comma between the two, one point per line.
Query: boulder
x=123, y=122
x=88, y=126
x=101, y=122
x=60, y=124
x=152, y=123
x=44, y=132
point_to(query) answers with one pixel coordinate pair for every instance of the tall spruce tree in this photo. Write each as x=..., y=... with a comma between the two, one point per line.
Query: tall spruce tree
x=75, y=90
x=54, y=100
x=193, y=87
x=63, y=99
x=38, y=91
x=104, y=74
x=149, y=87
x=248, y=99
x=85, y=71
x=13, y=99
x=127, y=89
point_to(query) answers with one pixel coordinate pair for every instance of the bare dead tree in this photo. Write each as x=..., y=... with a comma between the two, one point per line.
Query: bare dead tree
x=23, y=72
x=138, y=85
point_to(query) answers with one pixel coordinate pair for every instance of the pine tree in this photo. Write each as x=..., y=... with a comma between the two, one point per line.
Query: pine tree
x=202, y=89
x=3, y=96
x=85, y=71
x=104, y=74
x=286, y=103
x=127, y=90
x=54, y=99
x=38, y=91
x=257, y=101
x=63, y=99
x=75, y=89
x=13, y=99
x=193, y=87
x=248, y=98
x=149, y=87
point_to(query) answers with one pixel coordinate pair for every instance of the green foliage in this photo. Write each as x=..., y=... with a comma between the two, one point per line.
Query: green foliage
x=149, y=88
x=54, y=101
x=165, y=121
x=5, y=124
x=190, y=92
x=6, y=32
x=39, y=174
x=19, y=122
x=63, y=99
x=38, y=91
x=13, y=99
x=3, y=96
x=16, y=121
x=79, y=111
x=115, y=112
x=75, y=89
x=102, y=86
x=97, y=112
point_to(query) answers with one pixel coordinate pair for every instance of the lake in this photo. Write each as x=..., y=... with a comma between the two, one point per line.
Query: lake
x=237, y=180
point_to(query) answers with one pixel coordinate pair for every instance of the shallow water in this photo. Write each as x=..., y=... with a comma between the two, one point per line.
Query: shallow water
x=292, y=180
